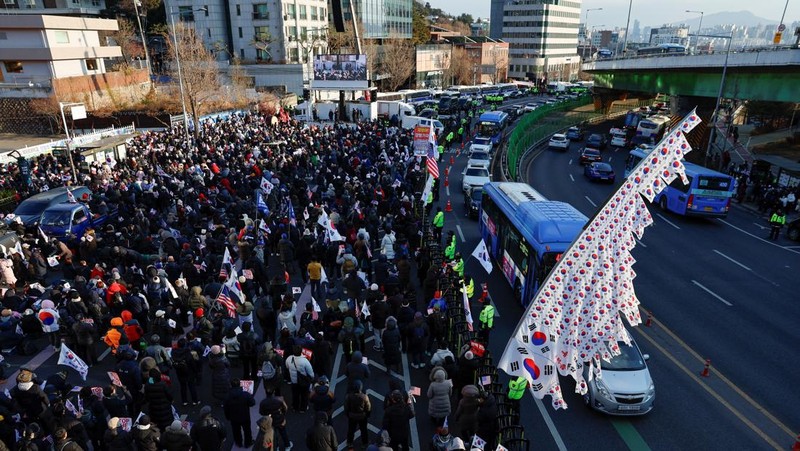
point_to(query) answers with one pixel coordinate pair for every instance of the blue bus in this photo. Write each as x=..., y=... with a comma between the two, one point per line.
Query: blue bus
x=526, y=234
x=491, y=125
x=708, y=193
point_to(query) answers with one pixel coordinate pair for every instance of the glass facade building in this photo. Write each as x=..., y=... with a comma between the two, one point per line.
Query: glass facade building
x=382, y=18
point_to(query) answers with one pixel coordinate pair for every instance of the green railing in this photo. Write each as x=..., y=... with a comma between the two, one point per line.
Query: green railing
x=540, y=124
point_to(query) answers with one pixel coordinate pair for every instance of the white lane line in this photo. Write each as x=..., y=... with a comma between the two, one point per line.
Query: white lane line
x=760, y=226
x=640, y=243
x=570, y=161
x=759, y=238
x=550, y=425
x=712, y=293
x=667, y=221
x=447, y=190
x=460, y=233
x=104, y=354
x=591, y=201
x=734, y=261
x=610, y=158
x=571, y=177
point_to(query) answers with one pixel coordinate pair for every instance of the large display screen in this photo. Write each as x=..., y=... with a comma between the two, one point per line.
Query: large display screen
x=340, y=72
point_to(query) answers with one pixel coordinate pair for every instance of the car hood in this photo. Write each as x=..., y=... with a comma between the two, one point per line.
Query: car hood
x=627, y=381
x=28, y=219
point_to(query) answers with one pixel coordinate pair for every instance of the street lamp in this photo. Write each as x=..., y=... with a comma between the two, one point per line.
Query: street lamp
x=74, y=111
x=180, y=76
x=721, y=87
x=136, y=5
x=627, y=24
x=699, y=26
x=586, y=20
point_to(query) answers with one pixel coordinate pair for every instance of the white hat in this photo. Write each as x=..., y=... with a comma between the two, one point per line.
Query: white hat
x=160, y=313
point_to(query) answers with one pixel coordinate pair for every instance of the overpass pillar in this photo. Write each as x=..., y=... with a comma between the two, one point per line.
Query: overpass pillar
x=681, y=105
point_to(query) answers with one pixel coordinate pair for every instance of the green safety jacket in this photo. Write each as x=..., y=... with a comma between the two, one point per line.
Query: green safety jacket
x=450, y=251
x=516, y=388
x=450, y=136
x=487, y=316
x=441, y=150
x=470, y=289
x=461, y=130
x=438, y=220
x=459, y=267
x=777, y=219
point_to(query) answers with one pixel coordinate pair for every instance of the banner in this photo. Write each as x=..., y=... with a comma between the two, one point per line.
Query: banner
x=70, y=359
x=421, y=140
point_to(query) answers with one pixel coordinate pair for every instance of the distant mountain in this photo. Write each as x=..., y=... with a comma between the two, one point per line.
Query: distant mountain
x=742, y=18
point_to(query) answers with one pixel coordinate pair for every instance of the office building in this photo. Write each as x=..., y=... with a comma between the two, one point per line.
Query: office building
x=496, y=19
x=487, y=57
x=382, y=19
x=542, y=39
x=670, y=34
x=79, y=8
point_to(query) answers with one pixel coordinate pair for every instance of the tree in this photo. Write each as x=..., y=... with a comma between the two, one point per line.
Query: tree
x=465, y=18
x=262, y=42
x=240, y=81
x=500, y=62
x=397, y=62
x=126, y=39
x=459, y=71
x=420, y=28
x=770, y=114
x=199, y=69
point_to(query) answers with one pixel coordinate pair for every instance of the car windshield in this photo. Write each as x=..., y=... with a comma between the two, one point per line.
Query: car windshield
x=479, y=156
x=482, y=141
x=559, y=138
x=574, y=130
x=477, y=172
x=591, y=152
x=595, y=138
x=629, y=359
x=30, y=208
x=56, y=218
x=604, y=167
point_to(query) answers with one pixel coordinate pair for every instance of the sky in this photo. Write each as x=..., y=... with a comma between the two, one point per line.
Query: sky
x=648, y=12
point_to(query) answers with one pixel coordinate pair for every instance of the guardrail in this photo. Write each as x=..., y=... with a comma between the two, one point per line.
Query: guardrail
x=46, y=148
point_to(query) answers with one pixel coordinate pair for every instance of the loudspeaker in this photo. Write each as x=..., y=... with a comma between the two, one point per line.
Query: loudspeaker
x=337, y=15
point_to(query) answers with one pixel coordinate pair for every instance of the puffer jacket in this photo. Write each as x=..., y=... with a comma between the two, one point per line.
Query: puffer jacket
x=439, y=392
x=196, y=299
x=146, y=438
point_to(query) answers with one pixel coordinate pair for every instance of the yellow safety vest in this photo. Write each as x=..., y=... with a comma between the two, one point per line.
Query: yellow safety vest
x=516, y=388
x=487, y=316
x=470, y=289
x=450, y=251
x=459, y=268
x=438, y=220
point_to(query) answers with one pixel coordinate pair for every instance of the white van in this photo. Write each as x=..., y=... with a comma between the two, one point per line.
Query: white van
x=410, y=122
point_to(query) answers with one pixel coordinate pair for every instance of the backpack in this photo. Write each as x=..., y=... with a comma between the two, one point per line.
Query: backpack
x=419, y=332
x=350, y=342
x=268, y=370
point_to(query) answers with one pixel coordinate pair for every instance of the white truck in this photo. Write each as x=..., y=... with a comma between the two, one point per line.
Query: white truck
x=389, y=108
x=409, y=122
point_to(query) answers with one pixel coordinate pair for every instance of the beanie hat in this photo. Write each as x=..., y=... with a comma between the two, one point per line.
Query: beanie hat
x=374, y=287
x=113, y=423
x=144, y=420
x=199, y=313
x=469, y=355
x=160, y=313
x=25, y=375
x=205, y=411
x=175, y=426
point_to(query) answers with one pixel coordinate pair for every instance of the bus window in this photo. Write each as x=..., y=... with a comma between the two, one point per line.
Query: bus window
x=678, y=184
x=713, y=183
x=549, y=261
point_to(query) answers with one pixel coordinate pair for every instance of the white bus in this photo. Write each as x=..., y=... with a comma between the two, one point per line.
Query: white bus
x=464, y=91
x=652, y=127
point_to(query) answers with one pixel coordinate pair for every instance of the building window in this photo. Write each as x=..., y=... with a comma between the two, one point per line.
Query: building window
x=13, y=67
x=238, y=10
x=241, y=52
x=314, y=13
x=291, y=32
x=290, y=11
x=294, y=54
x=205, y=8
x=261, y=33
x=260, y=12
x=240, y=33
x=186, y=13
x=91, y=64
x=304, y=33
x=62, y=37
x=303, y=12
x=209, y=32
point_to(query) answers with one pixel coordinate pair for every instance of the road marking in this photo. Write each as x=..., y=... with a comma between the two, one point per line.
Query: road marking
x=550, y=425
x=640, y=243
x=630, y=435
x=570, y=161
x=712, y=293
x=591, y=201
x=460, y=233
x=610, y=158
x=762, y=227
x=667, y=221
x=371, y=392
x=104, y=354
x=734, y=261
x=571, y=177
x=336, y=362
x=694, y=375
x=447, y=190
x=31, y=364
x=414, y=431
x=758, y=237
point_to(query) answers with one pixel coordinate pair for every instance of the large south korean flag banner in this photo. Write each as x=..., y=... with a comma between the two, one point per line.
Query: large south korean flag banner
x=578, y=308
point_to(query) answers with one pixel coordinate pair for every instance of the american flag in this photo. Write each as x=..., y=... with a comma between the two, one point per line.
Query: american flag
x=224, y=298
x=432, y=163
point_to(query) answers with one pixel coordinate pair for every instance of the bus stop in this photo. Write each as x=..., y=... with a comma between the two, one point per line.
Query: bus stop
x=783, y=171
x=113, y=147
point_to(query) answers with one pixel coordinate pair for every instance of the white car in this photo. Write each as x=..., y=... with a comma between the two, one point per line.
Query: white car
x=480, y=144
x=626, y=387
x=474, y=176
x=480, y=159
x=530, y=107
x=559, y=141
x=619, y=138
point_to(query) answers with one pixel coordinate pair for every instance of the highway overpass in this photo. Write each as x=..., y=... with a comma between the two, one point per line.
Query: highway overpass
x=772, y=75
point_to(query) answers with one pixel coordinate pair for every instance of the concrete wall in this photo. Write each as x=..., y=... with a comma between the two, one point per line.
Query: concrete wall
x=112, y=89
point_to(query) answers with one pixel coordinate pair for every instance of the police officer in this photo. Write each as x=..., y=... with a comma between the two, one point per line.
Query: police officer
x=516, y=390
x=458, y=265
x=486, y=319
x=777, y=221
x=450, y=250
x=438, y=224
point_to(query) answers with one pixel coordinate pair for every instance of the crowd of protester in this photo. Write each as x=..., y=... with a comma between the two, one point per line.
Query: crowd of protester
x=147, y=285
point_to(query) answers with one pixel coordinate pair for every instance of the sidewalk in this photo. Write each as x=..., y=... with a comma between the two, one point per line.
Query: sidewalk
x=741, y=150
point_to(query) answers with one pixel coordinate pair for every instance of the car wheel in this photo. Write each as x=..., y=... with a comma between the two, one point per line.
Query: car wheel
x=793, y=233
x=663, y=203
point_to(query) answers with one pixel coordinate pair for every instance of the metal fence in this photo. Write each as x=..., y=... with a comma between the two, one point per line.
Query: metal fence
x=80, y=140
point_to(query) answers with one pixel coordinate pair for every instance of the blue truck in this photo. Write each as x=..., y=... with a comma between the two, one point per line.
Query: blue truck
x=70, y=220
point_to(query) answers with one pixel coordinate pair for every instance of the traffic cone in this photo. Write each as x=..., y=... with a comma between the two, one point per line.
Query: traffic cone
x=706, y=372
x=446, y=181
x=649, y=321
x=796, y=446
x=452, y=160
x=485, y=293
x=447, y=171
x=448, y=208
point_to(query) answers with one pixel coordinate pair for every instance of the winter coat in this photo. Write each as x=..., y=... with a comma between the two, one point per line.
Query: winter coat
x=439, y=392
x=357, y=406
x=29, y=403
x=118, y=440
x=266, y=435
x=379, y=312
x=237, y=406
x=146, y=438
x=220, y=376
x=176, y=440
x=387, y=246
x=196, y=299
x=208, y=434
x=466, y=416
x=159, y=403
x=488, y=412
x=321, y=437
x=391, y=343
x=295, y=364
x=396, y=418
x=7, y=272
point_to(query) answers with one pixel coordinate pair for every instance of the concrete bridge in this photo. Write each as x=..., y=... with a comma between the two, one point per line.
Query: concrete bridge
x=769, y=74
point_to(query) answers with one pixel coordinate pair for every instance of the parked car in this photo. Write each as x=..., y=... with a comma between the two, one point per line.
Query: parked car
x=599, y=172
x=590, y=155
x=530, y=107
x=472, y=201
x=626, y=387
x=575, y=134
x=596, y=141
x=71, y=219
x=481, y=159
x=474, y=176
x=558, y=141
x=793, y=229
x=30, y=209
x=8, y=241
x=429, y=113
